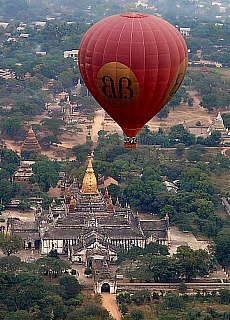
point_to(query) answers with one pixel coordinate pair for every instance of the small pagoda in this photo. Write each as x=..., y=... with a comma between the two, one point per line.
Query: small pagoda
x=31, y=143
x=218, y=124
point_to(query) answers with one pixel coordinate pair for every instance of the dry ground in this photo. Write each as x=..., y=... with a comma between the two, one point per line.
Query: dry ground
x=76, y=132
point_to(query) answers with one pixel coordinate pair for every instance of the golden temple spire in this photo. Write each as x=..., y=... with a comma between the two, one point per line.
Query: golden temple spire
x=89, y=184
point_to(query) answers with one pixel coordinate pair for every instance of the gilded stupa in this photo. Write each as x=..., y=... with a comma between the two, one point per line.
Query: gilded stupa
x=89, y=184
x=31, y=143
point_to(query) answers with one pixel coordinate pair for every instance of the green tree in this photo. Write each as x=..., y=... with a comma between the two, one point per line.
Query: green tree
x=123, y=308
x=163, y=113
x=192, y=262
x=173, y=301
x=11, y=244
x=204, y=208
x=69, y=285
x=137, y=314
x=195, y=152
x=209, y=102
x=141, y=297
x=82, y=152
x=45, y=174
x=224, y=296
x=7, y=190
x=226, y=119
x=178, y=134
x=53, y=126
x=156, y=249
x=88, y=311
x=213, y=140
x=223, y=248
x=9, y=156
x=51, y=266
x=13, y=127
x=10, y=264
x=180, y=149
x=175, y=101
x=19, y=315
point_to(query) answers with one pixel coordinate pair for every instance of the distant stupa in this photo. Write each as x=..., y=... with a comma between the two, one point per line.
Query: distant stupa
x=31, y=143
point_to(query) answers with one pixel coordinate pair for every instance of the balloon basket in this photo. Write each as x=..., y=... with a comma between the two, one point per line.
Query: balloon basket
x=130, y=143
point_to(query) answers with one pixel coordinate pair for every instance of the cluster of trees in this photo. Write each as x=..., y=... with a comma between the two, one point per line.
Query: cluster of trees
x=8, y=164
x=46, y=174
x=34, y=79
x=208, y=33
x=226, y=119
x=65, y=10
x=222, y=247
x=26, y=294
x=186, y=264
x=192, y=207
x=81, y=152
x=10, y=244
x=176, y=135
x=135, y=252
x=140, y=175
x=212, y=88
x=173, y=306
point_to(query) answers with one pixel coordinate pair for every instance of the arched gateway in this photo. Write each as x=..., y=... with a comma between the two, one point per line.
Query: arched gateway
x=105, y=288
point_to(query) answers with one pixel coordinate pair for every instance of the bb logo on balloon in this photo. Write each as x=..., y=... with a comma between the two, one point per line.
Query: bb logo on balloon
x=117, y=84
x=124, y=84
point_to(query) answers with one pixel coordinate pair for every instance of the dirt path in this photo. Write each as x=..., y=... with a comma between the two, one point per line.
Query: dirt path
x=110, y=304
x=97, y=125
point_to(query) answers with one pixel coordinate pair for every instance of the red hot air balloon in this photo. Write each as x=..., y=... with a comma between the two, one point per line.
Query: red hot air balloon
x=132, y=63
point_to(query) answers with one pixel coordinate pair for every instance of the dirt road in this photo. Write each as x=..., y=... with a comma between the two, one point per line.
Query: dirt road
x=97, y=125
x=110, y=304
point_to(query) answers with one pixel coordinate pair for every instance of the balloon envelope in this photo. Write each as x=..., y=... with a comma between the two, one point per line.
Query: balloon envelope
x=132, y=63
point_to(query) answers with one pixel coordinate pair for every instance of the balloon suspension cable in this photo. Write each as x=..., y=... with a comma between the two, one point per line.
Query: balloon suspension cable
x=130, y=142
